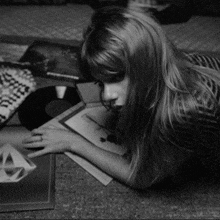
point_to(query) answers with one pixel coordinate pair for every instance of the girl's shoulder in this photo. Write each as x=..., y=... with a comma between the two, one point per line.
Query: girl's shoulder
x=193, y=121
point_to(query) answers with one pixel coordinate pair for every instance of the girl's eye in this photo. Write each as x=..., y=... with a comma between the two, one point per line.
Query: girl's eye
x=100, y=84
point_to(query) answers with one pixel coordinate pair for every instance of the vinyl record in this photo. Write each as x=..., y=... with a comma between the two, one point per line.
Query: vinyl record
x=46, y=103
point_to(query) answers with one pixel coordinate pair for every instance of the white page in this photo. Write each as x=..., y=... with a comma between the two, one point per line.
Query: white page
x=91, y=124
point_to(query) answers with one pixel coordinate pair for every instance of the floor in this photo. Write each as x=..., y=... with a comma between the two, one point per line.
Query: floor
x=67, y=23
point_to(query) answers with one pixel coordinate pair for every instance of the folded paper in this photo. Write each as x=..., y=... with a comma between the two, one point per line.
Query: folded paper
x=14, y=165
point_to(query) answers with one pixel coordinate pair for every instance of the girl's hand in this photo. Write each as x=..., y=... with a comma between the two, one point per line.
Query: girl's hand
x=52, y=140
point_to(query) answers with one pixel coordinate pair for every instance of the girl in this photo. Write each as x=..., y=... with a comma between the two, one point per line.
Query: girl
x=169, y=108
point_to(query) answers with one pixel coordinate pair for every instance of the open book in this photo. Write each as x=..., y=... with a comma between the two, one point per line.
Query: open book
x=93, y=121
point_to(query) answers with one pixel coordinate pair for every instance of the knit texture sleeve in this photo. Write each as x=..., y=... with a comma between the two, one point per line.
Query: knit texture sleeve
x=197, y=137
x=165, y=155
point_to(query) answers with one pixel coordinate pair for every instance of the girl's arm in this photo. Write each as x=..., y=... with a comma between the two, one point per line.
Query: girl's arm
x=59, y=140
x=114, y=164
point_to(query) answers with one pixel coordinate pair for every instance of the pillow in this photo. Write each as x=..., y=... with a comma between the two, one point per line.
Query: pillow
x=203, y=60
x=16, y=83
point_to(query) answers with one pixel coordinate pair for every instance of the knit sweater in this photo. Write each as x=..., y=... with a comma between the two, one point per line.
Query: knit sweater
x=195, y=139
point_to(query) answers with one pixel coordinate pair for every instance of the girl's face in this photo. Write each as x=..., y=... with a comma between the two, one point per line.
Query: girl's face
x=116, y=92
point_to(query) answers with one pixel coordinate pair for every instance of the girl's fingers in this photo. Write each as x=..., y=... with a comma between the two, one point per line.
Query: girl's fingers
x=38, y=131
x=34, y=138
x=34, y=145
x=38, y=153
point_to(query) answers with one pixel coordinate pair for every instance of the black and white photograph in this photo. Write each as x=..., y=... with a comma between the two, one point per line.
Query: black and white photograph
x=109, y=109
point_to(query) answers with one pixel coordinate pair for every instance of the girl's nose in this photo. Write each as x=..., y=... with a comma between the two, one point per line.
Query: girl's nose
x=109, y=93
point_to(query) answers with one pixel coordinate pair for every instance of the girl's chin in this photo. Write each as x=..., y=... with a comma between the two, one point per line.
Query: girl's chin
x=117, y=107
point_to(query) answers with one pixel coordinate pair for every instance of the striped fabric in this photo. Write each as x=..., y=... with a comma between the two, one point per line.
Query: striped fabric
x=204, y=60
x=144, y=3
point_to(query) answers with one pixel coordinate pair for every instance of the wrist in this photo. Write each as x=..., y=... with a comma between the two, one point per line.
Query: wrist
x=76, y=144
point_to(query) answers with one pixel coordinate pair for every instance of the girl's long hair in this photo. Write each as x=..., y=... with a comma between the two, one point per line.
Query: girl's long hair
x=122, y=42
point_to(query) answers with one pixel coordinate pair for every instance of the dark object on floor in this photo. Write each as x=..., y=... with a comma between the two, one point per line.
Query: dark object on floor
x=173, y=14
x=210, y=8
x=45, y=104
x=96, y=4
x=33, y=2
x=53, y=60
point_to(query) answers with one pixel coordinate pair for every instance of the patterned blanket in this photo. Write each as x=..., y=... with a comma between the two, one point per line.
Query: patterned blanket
x=16, y=83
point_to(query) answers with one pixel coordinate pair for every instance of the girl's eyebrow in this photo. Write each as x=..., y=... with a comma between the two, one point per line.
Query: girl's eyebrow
x=100, y=83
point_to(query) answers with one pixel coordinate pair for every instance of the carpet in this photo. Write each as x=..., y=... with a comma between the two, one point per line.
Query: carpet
x=24, y=24
x=200, y=33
